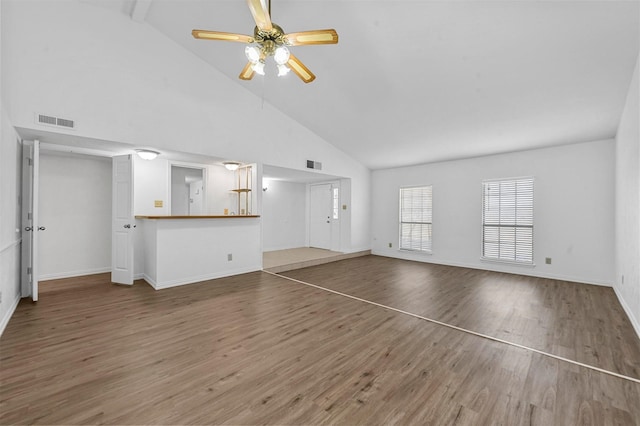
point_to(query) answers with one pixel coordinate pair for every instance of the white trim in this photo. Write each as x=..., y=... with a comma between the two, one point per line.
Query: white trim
x=524, y=272
x=197, y=279
x=71, y=274
x=9, y=314
x=10, y=245
x=508, y=262
x=634, y=321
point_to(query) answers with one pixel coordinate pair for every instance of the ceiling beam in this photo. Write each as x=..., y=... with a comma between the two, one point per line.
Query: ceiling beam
x=140, y=9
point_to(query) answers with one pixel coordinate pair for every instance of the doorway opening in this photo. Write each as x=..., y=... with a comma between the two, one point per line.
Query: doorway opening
x=296, y=206
x=187, y=191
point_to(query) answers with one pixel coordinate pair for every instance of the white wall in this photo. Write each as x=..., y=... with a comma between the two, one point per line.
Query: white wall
x=628, y=205
x=75, y=208
x=573, y=210
x=78, y=61
x=10, y=172
x=284, y=223
x=151, y=183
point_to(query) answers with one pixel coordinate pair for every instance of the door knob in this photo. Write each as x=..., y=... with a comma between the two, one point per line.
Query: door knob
x=28, y=228
x=41, y=228
x=127, y=226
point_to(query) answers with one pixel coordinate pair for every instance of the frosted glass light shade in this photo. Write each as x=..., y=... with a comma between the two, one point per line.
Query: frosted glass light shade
x=281, y=55
x=147, y=154
x=231, y=165
x=258, y=67
x=252, y=53
x=283, y=70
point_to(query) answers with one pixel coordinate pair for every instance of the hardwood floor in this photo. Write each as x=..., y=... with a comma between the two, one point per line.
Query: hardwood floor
x=584, y=323
x=260, y=349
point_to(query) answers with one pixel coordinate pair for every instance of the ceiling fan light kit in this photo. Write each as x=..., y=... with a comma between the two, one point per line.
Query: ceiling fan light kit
x=269, y=39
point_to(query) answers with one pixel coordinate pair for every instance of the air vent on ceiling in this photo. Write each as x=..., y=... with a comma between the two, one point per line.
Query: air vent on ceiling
x=314, y=165
x=49, y=120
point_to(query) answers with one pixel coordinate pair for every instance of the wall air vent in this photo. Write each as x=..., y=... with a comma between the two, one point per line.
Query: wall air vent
x=48, y=120
x=316, y=165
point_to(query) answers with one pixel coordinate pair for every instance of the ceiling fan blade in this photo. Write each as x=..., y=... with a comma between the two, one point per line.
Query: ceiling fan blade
x=219, y=35
x=247, y=72
x=260, y=14
x=300, y=69
x=312, y=37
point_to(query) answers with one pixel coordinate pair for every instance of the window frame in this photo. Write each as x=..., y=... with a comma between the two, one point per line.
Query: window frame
x=514, y=261
x=400, y=221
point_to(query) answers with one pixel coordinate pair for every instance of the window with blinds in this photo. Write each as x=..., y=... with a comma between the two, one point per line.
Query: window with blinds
x=415, y=218
x=507, y=220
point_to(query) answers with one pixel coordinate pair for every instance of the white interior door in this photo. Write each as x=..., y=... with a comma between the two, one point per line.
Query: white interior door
x=195, y=198
x=122, y=220
x=320, y=210
x=30, y=225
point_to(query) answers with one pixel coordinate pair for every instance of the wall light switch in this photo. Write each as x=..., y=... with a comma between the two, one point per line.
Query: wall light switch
x=157, y=203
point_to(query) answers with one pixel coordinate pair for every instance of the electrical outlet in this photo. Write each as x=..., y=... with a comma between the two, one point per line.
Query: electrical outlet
x=229, y=257
x=547, y=260
x=390, y=245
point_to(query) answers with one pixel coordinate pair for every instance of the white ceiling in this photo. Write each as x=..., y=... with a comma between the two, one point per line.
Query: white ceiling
x=420, y=81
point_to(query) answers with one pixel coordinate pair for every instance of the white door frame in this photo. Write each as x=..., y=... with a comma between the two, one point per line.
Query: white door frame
x=123, y=223
x=334, y=224
x=30, y=224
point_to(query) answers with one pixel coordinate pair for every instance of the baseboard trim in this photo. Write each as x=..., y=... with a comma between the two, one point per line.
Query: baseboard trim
x=9, y=314
x=193, y=280
x=529, y=272
x=72, y=274
x=634, y=321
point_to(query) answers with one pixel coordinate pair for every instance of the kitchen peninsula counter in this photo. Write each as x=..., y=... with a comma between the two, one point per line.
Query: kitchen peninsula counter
x=187, y=249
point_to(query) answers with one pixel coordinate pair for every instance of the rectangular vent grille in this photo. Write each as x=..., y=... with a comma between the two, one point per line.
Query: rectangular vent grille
x=65, y=123
x=49, y=120
x=45, y=119
x=316, y=165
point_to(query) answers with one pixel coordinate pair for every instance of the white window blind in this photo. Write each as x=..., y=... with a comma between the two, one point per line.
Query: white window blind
x=507, y=216
x=416, y=218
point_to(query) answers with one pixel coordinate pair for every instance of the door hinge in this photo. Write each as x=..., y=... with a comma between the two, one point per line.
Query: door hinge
x=29, y=270
x=29, y=216
x=29, y=162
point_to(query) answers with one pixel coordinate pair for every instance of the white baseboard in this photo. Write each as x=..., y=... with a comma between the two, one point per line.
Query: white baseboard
x=530, y=272
x=192, y=280
x=9, y=314
x=635, y=322
x=71, y=274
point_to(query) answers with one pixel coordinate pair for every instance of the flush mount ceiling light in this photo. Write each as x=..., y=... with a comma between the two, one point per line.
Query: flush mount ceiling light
x=231, y=165
x=147, y=154
x=270, y=39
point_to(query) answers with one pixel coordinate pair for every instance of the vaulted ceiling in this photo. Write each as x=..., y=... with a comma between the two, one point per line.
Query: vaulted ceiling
x=420, y=81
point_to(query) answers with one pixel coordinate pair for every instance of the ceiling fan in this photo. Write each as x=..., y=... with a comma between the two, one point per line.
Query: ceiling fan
x=269, y=39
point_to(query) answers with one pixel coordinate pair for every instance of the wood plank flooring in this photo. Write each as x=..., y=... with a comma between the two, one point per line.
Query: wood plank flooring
x=260, y=349
x=584, y=323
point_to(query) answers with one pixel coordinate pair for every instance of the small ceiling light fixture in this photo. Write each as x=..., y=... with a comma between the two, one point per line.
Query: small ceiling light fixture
x=231, y=165
x=147, y=154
